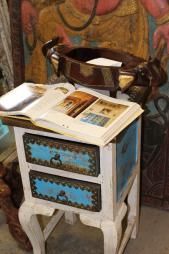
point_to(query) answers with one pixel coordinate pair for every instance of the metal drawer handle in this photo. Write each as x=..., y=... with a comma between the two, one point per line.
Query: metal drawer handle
x=61, y=195
x=56, y=159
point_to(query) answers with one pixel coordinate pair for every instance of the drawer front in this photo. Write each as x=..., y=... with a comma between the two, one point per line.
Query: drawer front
x=66, y=191
x=65, y=155
x=126, y=156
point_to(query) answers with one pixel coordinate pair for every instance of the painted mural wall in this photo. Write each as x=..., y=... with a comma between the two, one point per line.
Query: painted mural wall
x=128, y=25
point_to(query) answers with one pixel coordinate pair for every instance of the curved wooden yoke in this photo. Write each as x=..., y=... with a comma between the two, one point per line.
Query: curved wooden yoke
x=73, y=64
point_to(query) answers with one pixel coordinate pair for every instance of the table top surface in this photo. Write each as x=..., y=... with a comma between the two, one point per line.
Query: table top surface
x=22, y=123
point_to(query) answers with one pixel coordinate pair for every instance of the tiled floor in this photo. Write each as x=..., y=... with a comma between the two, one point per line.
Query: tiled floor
x=153, y=237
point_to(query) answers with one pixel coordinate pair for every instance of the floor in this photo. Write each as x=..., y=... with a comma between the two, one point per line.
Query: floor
x=153, y=237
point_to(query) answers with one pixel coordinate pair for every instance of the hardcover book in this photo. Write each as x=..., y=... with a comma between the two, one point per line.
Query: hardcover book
x=81, y=113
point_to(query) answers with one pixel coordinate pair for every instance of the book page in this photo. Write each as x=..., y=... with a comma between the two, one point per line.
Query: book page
x=105, y=62
x=75, y=103
x=102, y=113
x=23, y=95
x=51, y=98
x=23, y=99
x=96, y=122
x=67, y=125
x=65, y=88
x=86, y=107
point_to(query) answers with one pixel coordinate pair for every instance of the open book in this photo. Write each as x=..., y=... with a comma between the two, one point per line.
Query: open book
x=80, y=113
x=20, y=102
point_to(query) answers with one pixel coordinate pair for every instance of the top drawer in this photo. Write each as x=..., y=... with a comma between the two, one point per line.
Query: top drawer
x=61, y=154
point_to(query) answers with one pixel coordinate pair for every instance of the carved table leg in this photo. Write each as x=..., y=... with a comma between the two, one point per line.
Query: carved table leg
x=112, y=230
x=28, y=219
x=11, y=213
x=134, y=203
x=32, y=228
x=111, y=234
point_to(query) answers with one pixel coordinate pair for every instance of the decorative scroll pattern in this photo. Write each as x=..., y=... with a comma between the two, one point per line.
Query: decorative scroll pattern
x=6, y=65
x=17, y=41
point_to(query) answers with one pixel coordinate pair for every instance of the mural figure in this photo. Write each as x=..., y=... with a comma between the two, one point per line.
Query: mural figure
x=119, y=24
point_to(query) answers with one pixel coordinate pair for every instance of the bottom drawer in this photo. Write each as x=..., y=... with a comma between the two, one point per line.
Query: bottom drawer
x=66, y=191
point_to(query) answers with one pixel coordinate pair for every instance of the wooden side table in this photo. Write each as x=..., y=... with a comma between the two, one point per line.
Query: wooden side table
x=100, y=184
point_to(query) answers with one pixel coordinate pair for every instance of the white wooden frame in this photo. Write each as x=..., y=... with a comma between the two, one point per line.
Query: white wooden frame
x=109, y=219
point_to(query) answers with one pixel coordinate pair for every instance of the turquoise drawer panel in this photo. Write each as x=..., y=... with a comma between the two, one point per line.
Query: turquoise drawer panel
x=66, y=191
x=126, y=155
x=3, y=130
x=65, y=155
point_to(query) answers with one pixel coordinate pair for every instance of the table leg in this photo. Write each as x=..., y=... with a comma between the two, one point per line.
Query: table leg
x=111, y=234
x=28, y=218
x=30, y=224
x=70, y=217
x=134, y=205
x=112, y=230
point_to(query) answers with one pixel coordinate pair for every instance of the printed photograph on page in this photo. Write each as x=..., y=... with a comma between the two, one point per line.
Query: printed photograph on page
x=75, y=103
